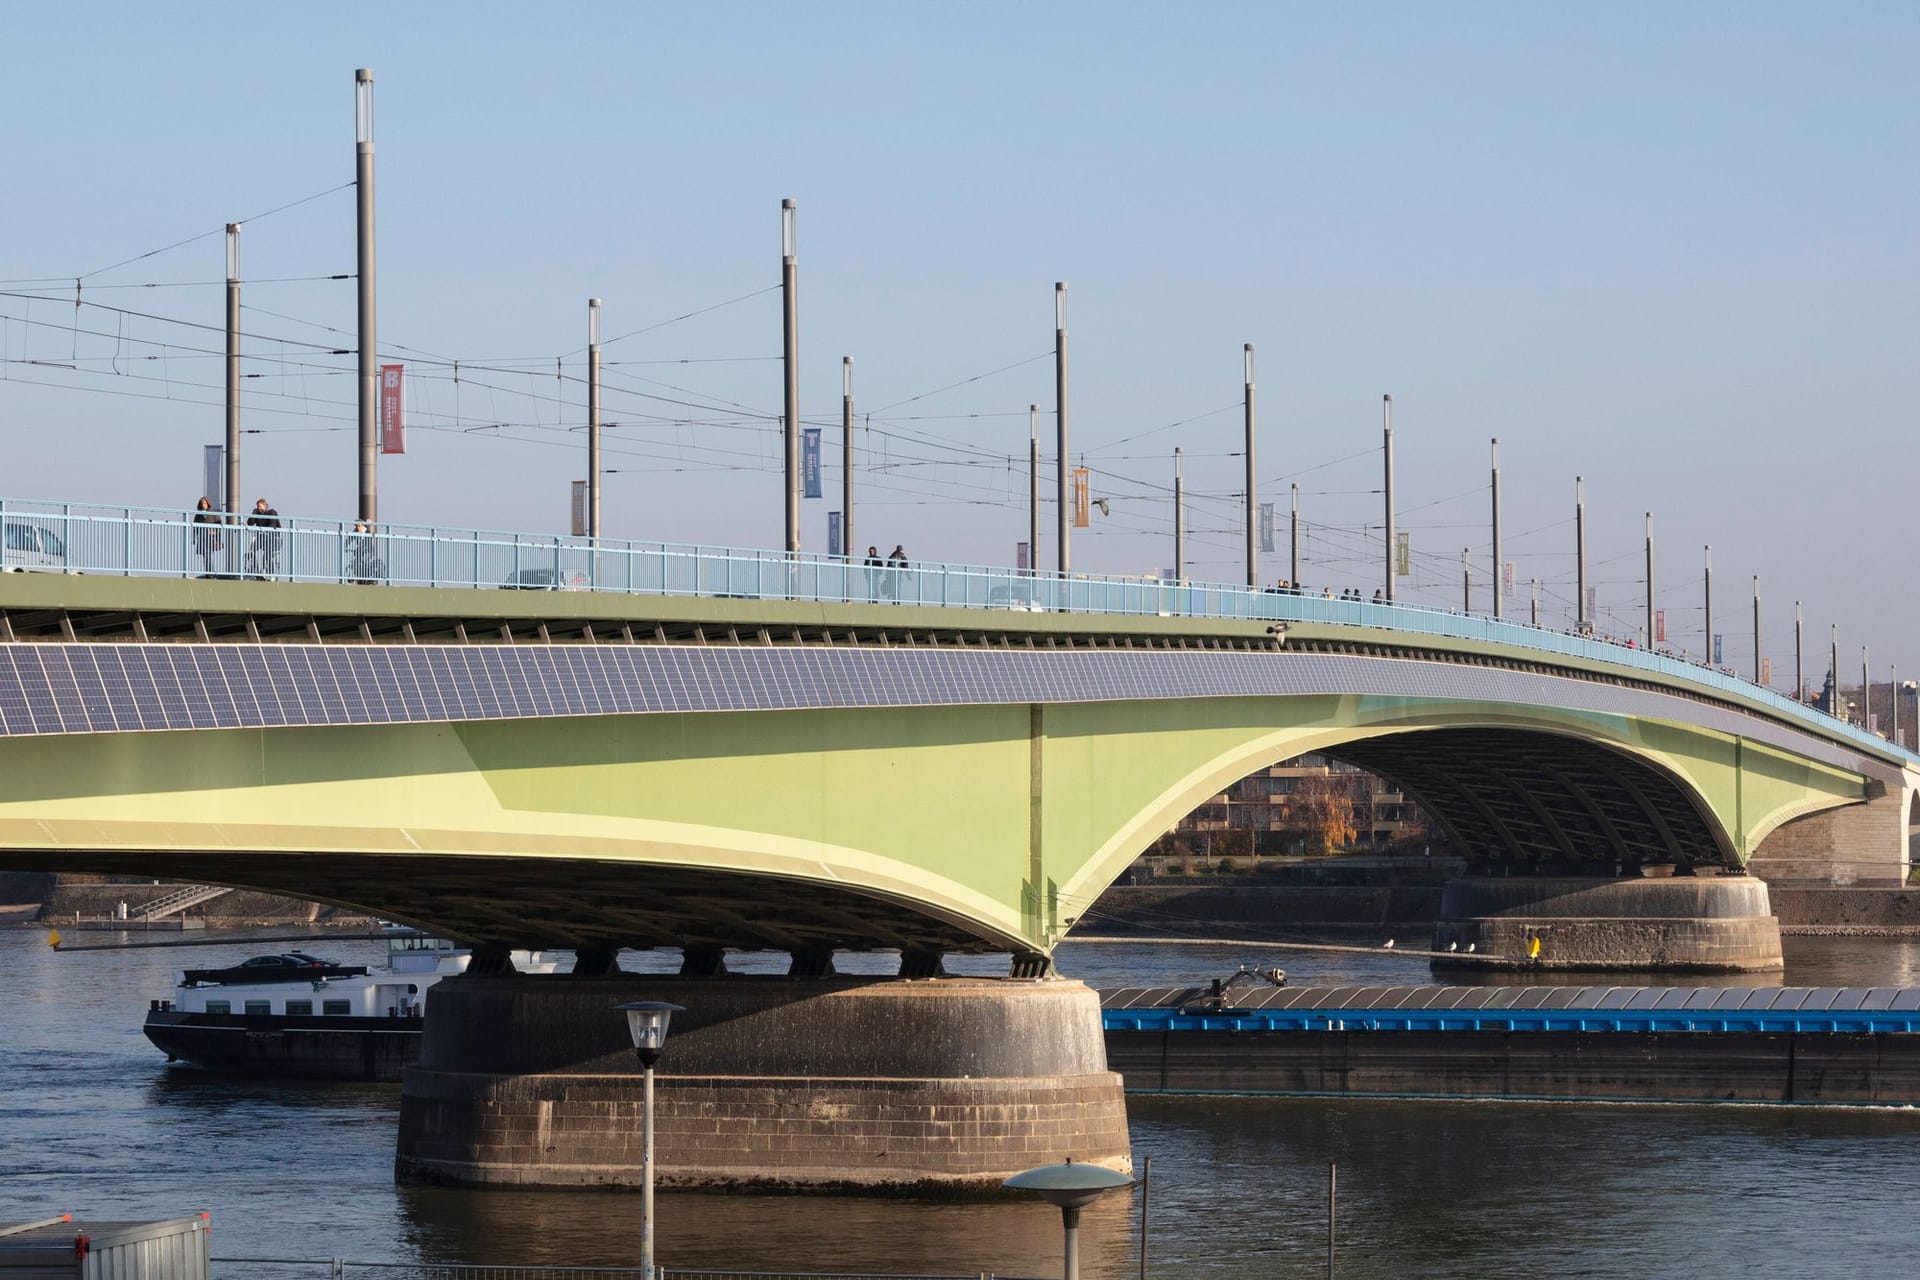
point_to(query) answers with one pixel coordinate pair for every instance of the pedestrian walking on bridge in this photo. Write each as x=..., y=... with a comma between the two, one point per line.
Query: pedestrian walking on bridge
x=206, y=533
x=265, y=545
x=896, y=570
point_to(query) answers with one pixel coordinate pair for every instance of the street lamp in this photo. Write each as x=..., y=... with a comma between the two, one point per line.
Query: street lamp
x=647, y=1024
x=1072, y=1187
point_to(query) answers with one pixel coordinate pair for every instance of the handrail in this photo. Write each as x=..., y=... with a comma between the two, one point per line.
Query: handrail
x=168, y=542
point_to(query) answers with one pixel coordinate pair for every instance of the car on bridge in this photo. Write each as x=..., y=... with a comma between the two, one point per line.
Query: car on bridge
x=26, y=545
x=545, y=580
x=1018, y=598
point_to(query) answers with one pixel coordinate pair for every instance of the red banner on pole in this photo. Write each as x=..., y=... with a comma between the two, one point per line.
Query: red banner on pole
x=393, y=423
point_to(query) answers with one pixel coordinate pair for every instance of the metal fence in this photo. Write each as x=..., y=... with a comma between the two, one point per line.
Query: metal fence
x=345, y=1269
x=162, y=542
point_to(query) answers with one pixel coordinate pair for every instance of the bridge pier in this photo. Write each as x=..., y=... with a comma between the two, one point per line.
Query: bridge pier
x=1855, y=846
x=827, y=1084
x=1707, y=924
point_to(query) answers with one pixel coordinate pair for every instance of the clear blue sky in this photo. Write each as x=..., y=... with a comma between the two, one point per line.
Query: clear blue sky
x=1671, y=248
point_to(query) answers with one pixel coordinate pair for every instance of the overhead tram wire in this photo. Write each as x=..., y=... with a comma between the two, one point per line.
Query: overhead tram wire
x=218, y=230
x=970, y=455
x=175, y=320
x=1154, y=431
x=145, y=395
x=57, y=293
x=978, y=377
x=634, y=333
x=124, y=337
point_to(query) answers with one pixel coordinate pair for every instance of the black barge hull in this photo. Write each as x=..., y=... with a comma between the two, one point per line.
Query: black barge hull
x=1870, y=1069
x=304, y=1048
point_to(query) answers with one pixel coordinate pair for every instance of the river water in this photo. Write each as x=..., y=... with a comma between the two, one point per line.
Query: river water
x=94, y=1122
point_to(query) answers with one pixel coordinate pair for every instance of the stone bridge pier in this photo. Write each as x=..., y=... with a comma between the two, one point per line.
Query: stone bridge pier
x=1699, y=923
x=941, y=1086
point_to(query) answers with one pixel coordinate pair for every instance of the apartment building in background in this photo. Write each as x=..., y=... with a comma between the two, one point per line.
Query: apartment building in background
x=1301, y=807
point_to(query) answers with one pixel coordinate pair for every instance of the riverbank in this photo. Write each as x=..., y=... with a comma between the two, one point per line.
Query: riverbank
x=1253, y=908
x=235, y=909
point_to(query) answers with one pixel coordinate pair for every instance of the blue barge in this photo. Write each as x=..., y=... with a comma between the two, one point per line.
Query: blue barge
x=1848, y=1045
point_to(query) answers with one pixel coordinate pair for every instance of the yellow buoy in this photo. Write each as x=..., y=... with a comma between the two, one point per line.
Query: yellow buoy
x=53, y=938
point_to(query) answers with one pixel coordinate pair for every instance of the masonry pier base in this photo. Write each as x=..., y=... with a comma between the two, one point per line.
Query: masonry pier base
x=1700, y=923
x=889, y=1086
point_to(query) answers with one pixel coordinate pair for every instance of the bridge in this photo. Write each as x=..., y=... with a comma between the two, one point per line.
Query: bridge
x=706, y=749
x=709, y=748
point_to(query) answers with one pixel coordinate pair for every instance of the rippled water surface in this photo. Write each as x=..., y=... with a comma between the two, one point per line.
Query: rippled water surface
x=93, y=1121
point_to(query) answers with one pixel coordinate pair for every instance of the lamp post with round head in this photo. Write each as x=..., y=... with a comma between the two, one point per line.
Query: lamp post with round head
x=1073, y=1187
x=647, y=1024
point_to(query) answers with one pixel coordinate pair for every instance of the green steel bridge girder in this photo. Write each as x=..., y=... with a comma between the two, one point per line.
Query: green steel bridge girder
x=949, y=828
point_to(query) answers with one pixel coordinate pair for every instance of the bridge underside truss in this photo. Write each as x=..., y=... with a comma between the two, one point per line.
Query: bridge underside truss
x=560, y=903
x=1545, y=802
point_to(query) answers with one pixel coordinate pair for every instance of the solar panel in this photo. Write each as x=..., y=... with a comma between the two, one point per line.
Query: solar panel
x=106, y=687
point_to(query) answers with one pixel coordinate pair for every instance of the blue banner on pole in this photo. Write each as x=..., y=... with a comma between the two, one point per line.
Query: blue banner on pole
x=1266, y=526
x=810, y=461
x=1716, y=649
x=834, y=536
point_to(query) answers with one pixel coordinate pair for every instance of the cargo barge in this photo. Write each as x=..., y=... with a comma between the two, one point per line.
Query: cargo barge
x=316, y=1021
x=1796, y=1045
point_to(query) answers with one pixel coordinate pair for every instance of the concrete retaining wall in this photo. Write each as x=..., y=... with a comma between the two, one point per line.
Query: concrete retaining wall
x=1250, y=907
x=1860, y=844
x=242, y=905
x=1844, y=908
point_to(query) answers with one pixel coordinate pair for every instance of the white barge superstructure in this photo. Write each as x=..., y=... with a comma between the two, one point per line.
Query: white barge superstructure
x=316, y=1021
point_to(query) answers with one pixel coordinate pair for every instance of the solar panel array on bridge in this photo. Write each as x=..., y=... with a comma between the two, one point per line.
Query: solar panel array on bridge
x=82, y=688
x=48, y=688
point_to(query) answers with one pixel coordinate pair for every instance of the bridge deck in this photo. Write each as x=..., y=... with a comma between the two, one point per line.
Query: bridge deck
x=351, y=573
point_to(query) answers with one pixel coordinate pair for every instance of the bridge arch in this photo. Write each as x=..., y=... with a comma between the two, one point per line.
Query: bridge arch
x=951, y=827
x=1543, y=788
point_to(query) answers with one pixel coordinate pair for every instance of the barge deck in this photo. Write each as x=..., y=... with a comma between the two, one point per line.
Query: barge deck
x=1801, y=1045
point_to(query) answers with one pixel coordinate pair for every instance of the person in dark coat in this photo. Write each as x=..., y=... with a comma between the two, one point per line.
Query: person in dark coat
x=265, y=522
x=896, y=570
x=363, y=565
x=206, y=533
x=875, y=571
